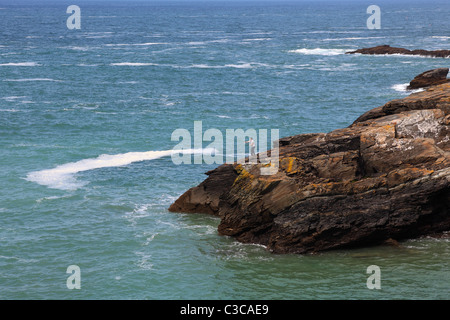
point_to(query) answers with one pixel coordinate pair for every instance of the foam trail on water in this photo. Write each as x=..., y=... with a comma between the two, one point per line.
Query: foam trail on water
x=63, y=176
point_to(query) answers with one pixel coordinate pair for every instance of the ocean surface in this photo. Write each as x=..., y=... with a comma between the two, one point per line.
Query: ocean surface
x=87, y=115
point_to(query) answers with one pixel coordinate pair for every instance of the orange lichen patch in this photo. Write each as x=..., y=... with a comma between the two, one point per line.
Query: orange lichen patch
x=242, y=173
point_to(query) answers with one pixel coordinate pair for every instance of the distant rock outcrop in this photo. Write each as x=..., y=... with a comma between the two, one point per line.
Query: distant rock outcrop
x=386, y=176
x=429, y=78
x=386, y=49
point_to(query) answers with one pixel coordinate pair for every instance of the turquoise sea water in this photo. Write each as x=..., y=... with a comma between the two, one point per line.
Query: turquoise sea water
x=86, y=118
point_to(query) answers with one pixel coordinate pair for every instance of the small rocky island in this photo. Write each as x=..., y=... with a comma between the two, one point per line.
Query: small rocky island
x=386, y=49
x=386, y=176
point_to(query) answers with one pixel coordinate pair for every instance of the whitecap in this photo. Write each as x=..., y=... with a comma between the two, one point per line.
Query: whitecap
x=399, y=55
x=133, y=64
x=319, y=51
x=207, y=66
x=329, y=31
x=86, y=65
x=13, y=98
x=52, y=198
x=355, y=38
x=133, y=44
x=102, y=17
x=32, y=79
x=258, y=39
x=20, y=64
x=240, y=66
x=63, y=176
x=144, y=261
x=402, y=87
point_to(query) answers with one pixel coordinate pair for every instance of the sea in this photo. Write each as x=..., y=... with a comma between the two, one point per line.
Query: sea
x=90, y=103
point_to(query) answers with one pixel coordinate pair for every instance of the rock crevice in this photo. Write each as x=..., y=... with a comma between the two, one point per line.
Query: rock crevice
x=387, y=49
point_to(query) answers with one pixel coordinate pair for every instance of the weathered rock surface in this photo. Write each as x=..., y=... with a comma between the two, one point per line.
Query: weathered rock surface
x=429, y=78
x=386, y=49
x=386, y=176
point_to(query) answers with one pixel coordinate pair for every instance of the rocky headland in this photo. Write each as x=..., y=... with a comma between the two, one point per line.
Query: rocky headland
x=429, y=78
x=386, y=176
x=386, y=49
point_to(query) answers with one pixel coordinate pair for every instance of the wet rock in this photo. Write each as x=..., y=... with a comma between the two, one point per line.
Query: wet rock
x=386, y=49
x=386, y=176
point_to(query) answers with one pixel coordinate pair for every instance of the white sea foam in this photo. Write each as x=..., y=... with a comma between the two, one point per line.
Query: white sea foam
x=401, y=87
x=78, y=48
x=63, y=176
x=13, y=98
x=20, y=64
x=87, y=65
x=258, y=39
x=19, y=259
x=330, y=31
x=319, y=51
x=242, y=65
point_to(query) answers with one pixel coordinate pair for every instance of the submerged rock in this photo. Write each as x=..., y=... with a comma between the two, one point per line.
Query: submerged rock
x=386, y=176
x=386, y=49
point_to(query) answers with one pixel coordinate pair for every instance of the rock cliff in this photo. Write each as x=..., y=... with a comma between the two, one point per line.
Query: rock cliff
x=386, y=176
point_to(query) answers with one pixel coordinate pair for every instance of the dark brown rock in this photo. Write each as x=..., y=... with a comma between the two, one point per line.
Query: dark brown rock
x=386, y=49
x=429, y=78
x=385, y=176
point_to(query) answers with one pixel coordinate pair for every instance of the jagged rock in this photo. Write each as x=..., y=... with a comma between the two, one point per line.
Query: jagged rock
x=386, y=49
x=205, y=197
x=429, y=78
x=386, y=176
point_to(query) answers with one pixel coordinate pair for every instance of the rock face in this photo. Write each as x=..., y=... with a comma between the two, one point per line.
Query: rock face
x=386, y=176
x=429, y=78
x=205, y=197
x=386, y=49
